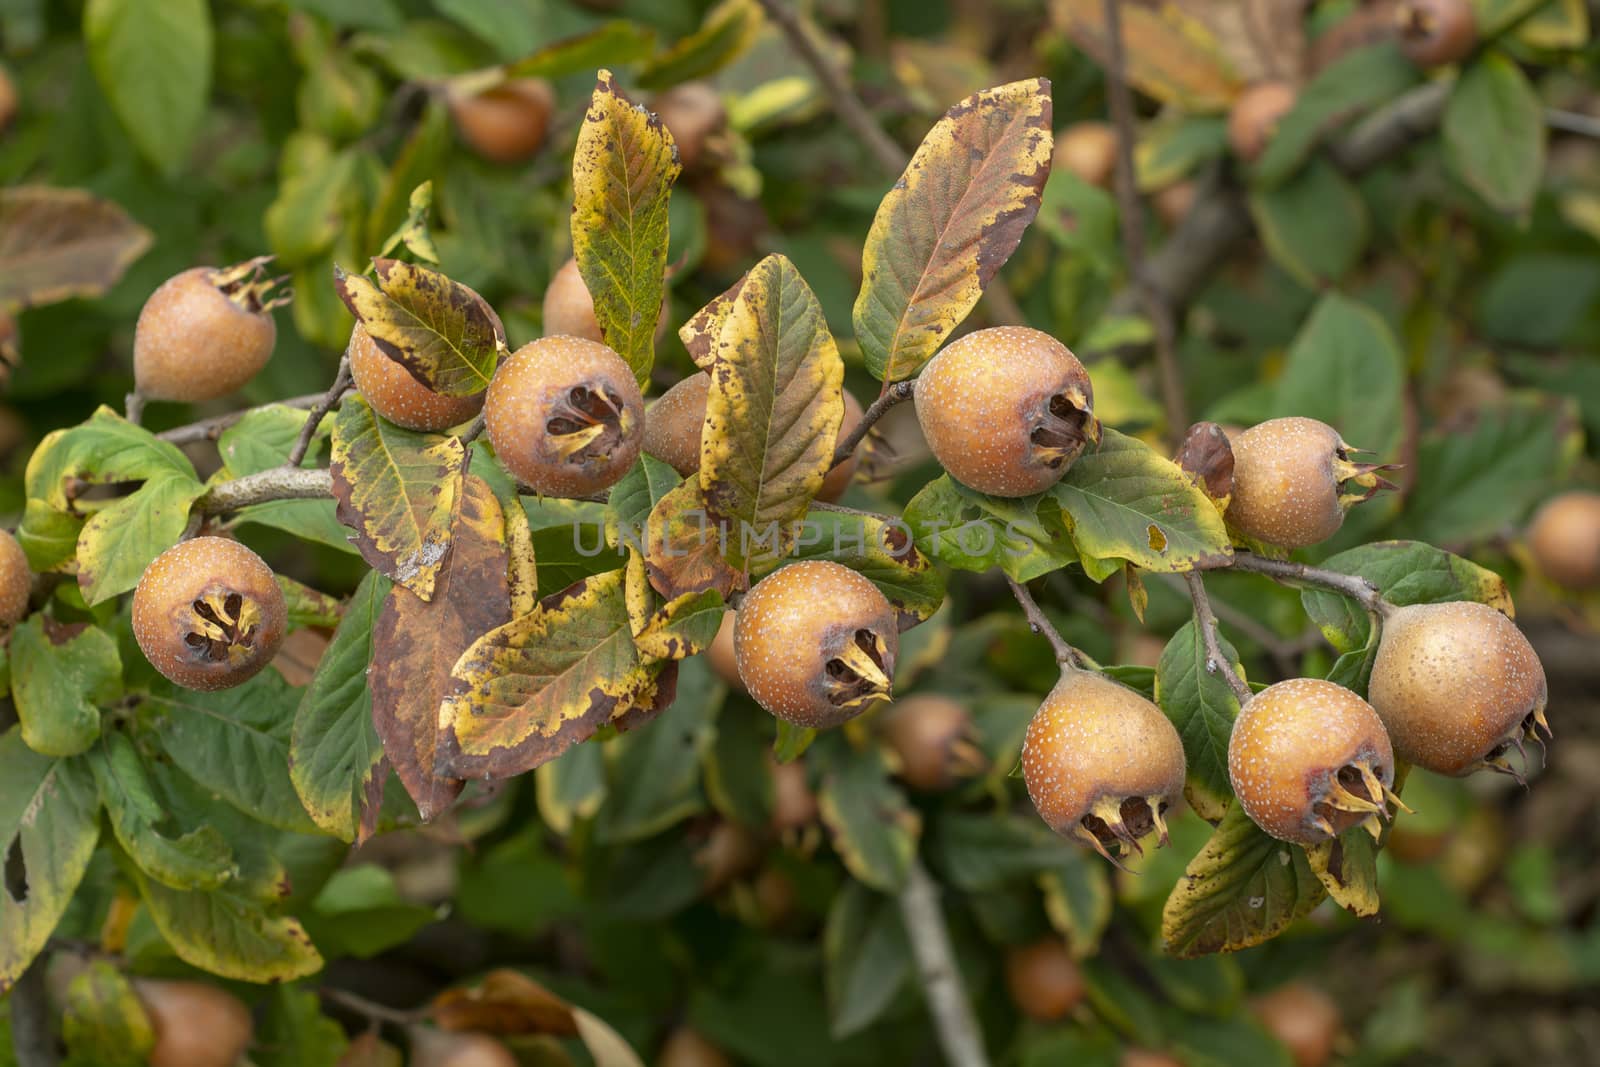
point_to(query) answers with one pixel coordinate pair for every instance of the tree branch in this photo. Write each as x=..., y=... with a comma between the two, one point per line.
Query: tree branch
x=898, y=393
x=341, y=383
x=134, y=412
x=1131, y=213
x=1216, y=660
x=1289, y=572
x=952, y=1013
x=1041, y=624
x=371, y=1009
x=210, y=429
x=279, y=483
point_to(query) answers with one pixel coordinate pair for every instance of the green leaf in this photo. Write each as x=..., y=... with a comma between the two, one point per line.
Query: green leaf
x=1123, y=500
x=1202, y=705
x=236, y=744
x=654, y=774
x=1314, y=224
x=309, y=215
x=880, y=549
x=614, y=43
x=1494, y=134
x=631, y=500
x=1347, y=867
x=57, y=679
x=50, y=811
x=198, y=859
x=442, y=332
x=262, y=440
x=104, y=1023
x=1077, y=900
x=683, y=626
x=153, y=61
x=295, y=1033
x=727, y=31
x=622, y=175
x=1173, y=146
x=792, y=741
x=1346, y=369
x=571, y=787
x=867, y=959
x=361, y=913
x=969, y=531
x=874, y=829
x=950, y=223
x=333, y=748
x=228, y=933
x=120, y=541
x=1239, y=1041
x=1242, y=889
x=1539, y=299
x=981, y=852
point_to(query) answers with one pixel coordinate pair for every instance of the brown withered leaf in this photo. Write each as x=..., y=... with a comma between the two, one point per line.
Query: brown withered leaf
x=699, y=335
x=416, y=642
x=505, y=1002
x=1261, y=40
x=56, y=244
x=1207, y=457
x=1170, y=55
x=685, y=553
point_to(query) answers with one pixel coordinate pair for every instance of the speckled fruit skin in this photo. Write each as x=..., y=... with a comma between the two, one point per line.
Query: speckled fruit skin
x=1564, y=538
x=16, y=580
x=793, y=627
x=546, y=389
x=984, y=400
x=1453, y=683
x=839, y=478
x=1434, y=33
x=922, y=730
x=506, y=124
x=400, y=398
x=692, y=112
x=1285, y=491
x=192, y=343
x=196, y=1025
x=1096, y=745
x=237, y=590
x=1255, y=115
x=672, y=424
x=1303, y=1018
x=1289, y=744
x=1089, y=150
x=686, y=1048
x=1044, y=980
x=439, y=1048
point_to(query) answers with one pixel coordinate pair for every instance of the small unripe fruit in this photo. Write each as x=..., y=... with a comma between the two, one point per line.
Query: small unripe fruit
x=446, y=1048
x=1458, y=686
x=1089, y=150
x=1293, y=481
x=838, y=479
x=16, y=581
x=195, y=1024
x=1102, y=764
x=1006, y=410
x=204, y=333
x=569, y=308
x=672, y=424
x=1044, y=980
x=208, y=613
x=400, y=398
x=1255, y=115
x=934, y=740
x=506, y=124
x=794, y=805
x=1434, y=33
x=685, y=1047
x=693, y=112
x=565, y=416
x=1564, y=538
x=816, y=643
x=1309, y=759
x=1304, y=1019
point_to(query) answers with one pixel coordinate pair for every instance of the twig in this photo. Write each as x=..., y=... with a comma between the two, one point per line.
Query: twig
x=474, y=431
x=952, y=1013
x=898, y=393
x=341, y=383
x=134, y=412
x=279, y=483
x=1284, y=651
x=210, y=429
x=1131, y=213
x=370, y=1009
x=1353, y=586
x=1573, y=122
x=1207, y=621
x=1040, y=624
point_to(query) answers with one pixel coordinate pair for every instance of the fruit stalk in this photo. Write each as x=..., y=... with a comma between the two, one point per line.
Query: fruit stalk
x=210, y=429
x=1066, y=655
x=1207, y=618
x=898, y=393
x=957, y=1026
x=134, y=411
x=371, y=1010
x=341, y=384
x=1353, y=586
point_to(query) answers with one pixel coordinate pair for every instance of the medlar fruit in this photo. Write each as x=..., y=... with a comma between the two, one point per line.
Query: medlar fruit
x=1564, y=538
x=399, y=397
x=1436, y=33
x=16, y=581
x=1255, y=115
x=685, y=1047
x=450, y=1048
x=1089, y=150
x=569, y=307
x=1293, y=481
x=934, y=740
x=505, y=124
x=693, y=113
x=195, y=1024
x=672, y=423
x=1303, y=1018
x=1044, y=980
x=205, y=333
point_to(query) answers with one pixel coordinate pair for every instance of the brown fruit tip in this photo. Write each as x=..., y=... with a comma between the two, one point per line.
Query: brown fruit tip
x=1436, y=33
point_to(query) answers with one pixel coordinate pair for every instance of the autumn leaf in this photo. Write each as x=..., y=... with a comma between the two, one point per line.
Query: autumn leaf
x=444, y=333
x=1171, y=55
x=56, y=244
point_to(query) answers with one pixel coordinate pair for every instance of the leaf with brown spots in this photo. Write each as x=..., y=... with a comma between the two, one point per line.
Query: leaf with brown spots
x=950, y=223
x=443, y=333
x=1171, y=55
x=684, y=553
x=529, y=690
x=399, y=491
x=56, y=244
x=699, y=334
x=622, y=175
x=683, y=626
x=507, y=1003
x=417, y=642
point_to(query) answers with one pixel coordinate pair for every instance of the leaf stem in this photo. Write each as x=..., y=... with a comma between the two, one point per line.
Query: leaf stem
x=474, y=431
x=341, y=384
x=210, y=429
x=953, y=1017
x=898, y=393
x=134, y=411
x=1216, y=660
x=1066, y=655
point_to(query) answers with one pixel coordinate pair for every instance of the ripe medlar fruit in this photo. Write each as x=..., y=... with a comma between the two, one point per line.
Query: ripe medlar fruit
x=1255, y=115
x=1435, y=33
x=693, y=113
x=208, y=613
x=1006, y=410
x=794, y=804
x=565, y=416
x=205, y=333
x=569, y=308
x=195, y=1024
x=934, y=739
x=1309, y=759
x=1089, y=150
x=816, y=643
x=1458, y=686
x=16, y=581
x=838, y=479
x=1293, y=481
x=1564, y=538
x=1102, y=764
x=8, y=99
x=1303, y=1018
x=400, y=398
x=505, y=124
x=672, y=423
x=449, y=1048
x=685, y=1047
x=1044, y=980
